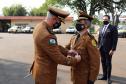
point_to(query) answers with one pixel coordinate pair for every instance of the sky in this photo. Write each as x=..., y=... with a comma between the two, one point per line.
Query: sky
x=28, y=4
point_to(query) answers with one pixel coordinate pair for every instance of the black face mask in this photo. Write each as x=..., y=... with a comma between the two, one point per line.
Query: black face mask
x=56, y=25
x=79, y=27
x=105, y=22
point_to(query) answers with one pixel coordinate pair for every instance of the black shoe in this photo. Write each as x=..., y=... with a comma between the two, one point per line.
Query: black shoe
x=109, y=81
x=102, y=78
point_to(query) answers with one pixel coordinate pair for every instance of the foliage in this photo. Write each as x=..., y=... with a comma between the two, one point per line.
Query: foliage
x=96, y=21
x=14, y=10
x=37, y=12
x=115, y=8
x=111, y=7
x=42, y=10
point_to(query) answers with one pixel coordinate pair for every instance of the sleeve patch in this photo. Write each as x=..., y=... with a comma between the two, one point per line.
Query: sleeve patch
x=94, y=43
x=52, y=42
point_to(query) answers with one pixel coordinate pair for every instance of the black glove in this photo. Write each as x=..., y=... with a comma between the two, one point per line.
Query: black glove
x=90, y=82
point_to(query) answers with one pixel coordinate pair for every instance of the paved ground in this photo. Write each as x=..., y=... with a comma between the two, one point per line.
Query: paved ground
x=16, y=56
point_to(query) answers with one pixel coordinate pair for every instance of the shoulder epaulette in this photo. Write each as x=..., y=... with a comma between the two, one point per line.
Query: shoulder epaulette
x=92, y=37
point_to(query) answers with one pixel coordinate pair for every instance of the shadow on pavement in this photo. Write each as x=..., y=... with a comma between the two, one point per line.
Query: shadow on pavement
x=12, y=72
x=117, y=79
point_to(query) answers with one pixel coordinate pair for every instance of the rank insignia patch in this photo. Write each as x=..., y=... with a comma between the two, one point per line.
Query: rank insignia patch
x=52, y=41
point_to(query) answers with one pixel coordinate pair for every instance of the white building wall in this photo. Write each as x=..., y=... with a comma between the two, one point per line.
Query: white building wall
x=31, y=23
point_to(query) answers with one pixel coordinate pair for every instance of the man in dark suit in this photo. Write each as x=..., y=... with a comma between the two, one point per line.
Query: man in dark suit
x=107, y=41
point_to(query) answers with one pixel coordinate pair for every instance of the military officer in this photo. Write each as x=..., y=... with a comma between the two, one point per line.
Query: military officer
x=47, y=52
x=86, y=71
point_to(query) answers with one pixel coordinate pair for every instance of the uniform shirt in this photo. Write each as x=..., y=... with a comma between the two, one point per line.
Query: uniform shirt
x=47, y=55
x=88, y=68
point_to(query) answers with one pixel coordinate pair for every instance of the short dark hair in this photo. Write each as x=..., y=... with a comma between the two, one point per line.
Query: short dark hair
x=107, y=16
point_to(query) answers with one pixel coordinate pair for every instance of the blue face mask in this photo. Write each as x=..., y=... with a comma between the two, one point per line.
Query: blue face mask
x=56, y=25
x=79, y=26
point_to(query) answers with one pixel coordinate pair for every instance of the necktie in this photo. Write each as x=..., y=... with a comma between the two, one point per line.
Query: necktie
x=104, y=29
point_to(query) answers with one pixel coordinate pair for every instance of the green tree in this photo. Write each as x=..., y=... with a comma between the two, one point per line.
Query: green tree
x=115, y=8
x=41, y=11
x=111, y=7
x=37, y=12
x=33, y=12
x=89, y=6
x=14, y=10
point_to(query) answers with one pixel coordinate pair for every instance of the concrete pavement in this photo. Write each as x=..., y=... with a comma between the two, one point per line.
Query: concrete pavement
x=16, y=56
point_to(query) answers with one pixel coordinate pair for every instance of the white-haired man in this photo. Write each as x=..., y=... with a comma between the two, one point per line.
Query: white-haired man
x=47, y=51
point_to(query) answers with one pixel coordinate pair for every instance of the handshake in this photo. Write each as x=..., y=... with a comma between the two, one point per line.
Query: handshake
x=73, y=53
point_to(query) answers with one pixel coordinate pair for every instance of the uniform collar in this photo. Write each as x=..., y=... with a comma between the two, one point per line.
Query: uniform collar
x=83, y=33
x=49, y=28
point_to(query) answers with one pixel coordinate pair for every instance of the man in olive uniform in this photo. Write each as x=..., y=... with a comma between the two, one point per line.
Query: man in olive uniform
x=47, y=52
x=86, y=71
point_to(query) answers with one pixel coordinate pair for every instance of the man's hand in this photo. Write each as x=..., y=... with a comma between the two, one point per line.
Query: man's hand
x=78, y=57
x=111, y=52
x=72, y=53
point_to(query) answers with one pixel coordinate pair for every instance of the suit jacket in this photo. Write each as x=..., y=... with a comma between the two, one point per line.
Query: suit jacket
x=88, y=68
x=109, y=39
x=47, y=55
